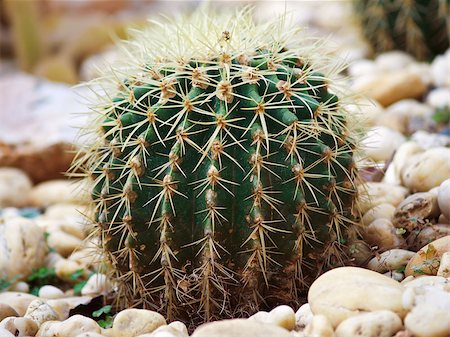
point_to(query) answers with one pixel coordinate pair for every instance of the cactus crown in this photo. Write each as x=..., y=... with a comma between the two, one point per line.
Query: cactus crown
x=420, y=27
x=222, y=166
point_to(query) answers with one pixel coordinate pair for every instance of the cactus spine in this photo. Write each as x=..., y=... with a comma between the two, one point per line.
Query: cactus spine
x=420, y=27
x=222, y=166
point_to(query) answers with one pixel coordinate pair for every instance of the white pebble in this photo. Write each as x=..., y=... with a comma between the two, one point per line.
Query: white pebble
x=96, y=285
x=49, y=291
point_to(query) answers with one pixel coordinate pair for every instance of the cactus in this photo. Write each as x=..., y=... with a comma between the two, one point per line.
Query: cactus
x=222, y=166
x=420, y=27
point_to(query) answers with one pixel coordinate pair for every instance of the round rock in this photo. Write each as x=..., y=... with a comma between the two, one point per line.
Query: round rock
x=135, y=322
x=15, y=187
x=390, y=260
x=426, y=261
x=443, y=198
x=239, y=328
x=381, y=323
x=347, y=291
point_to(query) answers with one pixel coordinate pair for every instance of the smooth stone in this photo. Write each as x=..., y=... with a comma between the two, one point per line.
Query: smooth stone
x=375, y=193
x=425, y=294
x=65, y=210
x=395, y=275
x=15, y=187
x=71, y=327
x=426, y=260
x=319, y=326
x=360, y=252
x=50, y=292
x=7, y=311
x=5, y=333
x=239, y=328
x=426, y=170
x=361, y=68
x=426, y=235
x=21, y=287
x=40, y=312
x=90, y=334
x=135, y=322
x=406, y=111
x=64, y=268
x=390, y=260
x=440, y=70
x=425, y=281
x=392, y=87
x=303, y=317
x=443, y=198
x=87, y=257
x=282, y=316
x=439, y=97
x=393, y=60
x=415, y=209
x=381, y=323
x=97, y=284
x=63, y=243
x=18, y=301
x=51, y=259
x=337, y=294
x=444, y=266
x=401, y=156
x=69, y=225
x=22, y=248
x=174, y=329
x=19, y=326
x=62, y=306
x=381, y=142
x=383, y=234
x=428, y=321
x=59, y=191
x=381, y=211
x=430, y=140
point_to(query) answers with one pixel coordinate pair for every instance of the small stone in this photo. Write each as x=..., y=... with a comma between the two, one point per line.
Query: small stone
x=18, y=301
x=415, y=209
x=428, y=321
x=415, y=241
x=381, y=323
x=381, y=211
x=426, y=260
x=64, y=268
x=63, y=243
x=444, y=266
x=360, y=252
x=22, y=248
x=135, y=322
x=375, y=193
x=59, y=191
x=390, y=260
x=380, y=143
x=15, y=187
x=440, y=70
x=395, y=275
x=425, y=281
x=347, y=291
x=439, y=97
x=40, y=312
x=401, y=156
x=319, y=326
x=426, y=170
x=393, y=60
x=443, y=198
x=96, y=285
x=71, y=327
x=430, y=140
x=239, y=328
x=19, y=326
x=20, y=287
x=303, y=317
x=5, y=333
x=362, y=67
x=406, y=112
x=282, y=316
x=51, y=259
x=174, y=329
x=62, y=306
x=7, y=311
x=383, y=234
x=90, y=334
x=49, y=292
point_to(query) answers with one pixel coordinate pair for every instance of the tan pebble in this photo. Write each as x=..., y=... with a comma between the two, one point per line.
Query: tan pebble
x=96, y=285
x=337, y=294
x=415, y=209
x=15, y=187
x=63, y=243
x=22, y=248
x=395, y=275
x=444, y=198
x=58, y=191
x=426, y=235
x=425, y=280
x=18, y=301
x=426, y=260
x=444, y=266
x=51, y=259
x=384, y=235
x=360, y=252
x=49, y=292
x=40, y=312
x=426, y=170
x=5, y=333
x=20, y=287
x=381, y=211
x=303, y=317
x=393, y=86
x=174, y=329
x=64, y=268
x=428, y=321
x=62, y=306
x=381, y=323
x=381, y=142
x=319, y=326
x=7, y=311
x=283, y=316
x=135, y=322
x=390, y=260
x=401, y=156
x=90, y=334
x=71, y=327
x=64, y=210
x=19, y=326
x=375, y=193
x=239, y=327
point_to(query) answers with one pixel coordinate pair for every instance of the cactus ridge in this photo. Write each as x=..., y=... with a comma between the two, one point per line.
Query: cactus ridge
x=420, y=27
x=222, y=167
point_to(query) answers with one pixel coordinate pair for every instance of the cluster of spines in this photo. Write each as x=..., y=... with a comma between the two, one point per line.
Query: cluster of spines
x=261, y=150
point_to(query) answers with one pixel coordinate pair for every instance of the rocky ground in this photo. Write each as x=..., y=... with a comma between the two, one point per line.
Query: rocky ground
x=51, y=281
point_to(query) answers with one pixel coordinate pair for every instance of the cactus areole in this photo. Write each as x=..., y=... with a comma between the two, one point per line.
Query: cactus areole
x=221, y=166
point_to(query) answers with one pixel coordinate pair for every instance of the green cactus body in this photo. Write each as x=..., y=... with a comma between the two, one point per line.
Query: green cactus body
x=222, y=169
x=419, y=27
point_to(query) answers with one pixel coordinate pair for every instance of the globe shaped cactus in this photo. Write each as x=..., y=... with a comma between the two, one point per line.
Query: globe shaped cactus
x=222, y=166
